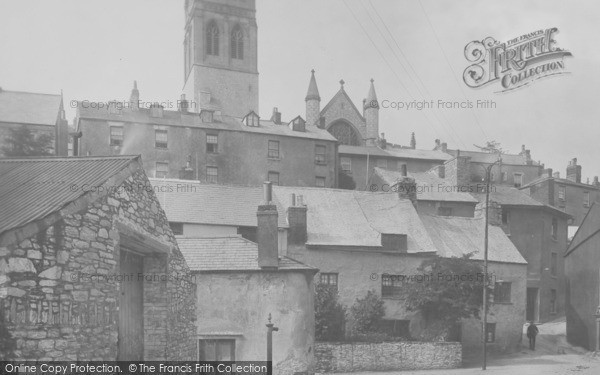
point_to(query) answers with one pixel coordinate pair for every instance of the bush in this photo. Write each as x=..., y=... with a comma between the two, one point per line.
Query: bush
x=366, y=314
x=329, y=314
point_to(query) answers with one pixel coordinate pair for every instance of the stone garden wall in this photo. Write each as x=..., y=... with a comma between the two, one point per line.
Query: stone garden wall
x=387, y=356
x=59, y=288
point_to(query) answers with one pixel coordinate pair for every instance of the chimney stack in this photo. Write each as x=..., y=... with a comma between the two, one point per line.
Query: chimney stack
x=556, y=174
x=574, y=171
x=596, y=183
x=134, y=98
x=407, y=189
x=444, y=147
x=549, y=172
x=276, y=116
x=267, y=233
x=296, y=215
x=183, y=104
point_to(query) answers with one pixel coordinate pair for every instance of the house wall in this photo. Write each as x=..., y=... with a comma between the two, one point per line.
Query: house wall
x=59, y=287
x=530, y=232
x=582, y=282
x=250, y=297
x=530, y=173
x=509, y=317
x=241, y=158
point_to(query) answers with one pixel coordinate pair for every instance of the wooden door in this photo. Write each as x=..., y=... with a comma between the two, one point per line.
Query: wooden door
x=131, y=303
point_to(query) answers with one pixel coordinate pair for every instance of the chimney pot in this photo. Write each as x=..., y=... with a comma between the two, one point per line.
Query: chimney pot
x=267, y=231
x=596, y=183
x=267, y=192
x=444, y=147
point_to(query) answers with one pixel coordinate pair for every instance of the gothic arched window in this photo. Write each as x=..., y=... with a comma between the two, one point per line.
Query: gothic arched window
x=237, y=43
x=345, y=133
x=212, y=39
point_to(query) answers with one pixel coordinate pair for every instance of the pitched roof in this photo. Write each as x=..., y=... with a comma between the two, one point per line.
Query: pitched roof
x=458, y=236
x=335, y=217
x=429, y=186
x=33, y=188
x=195, y=203
x=29, y=108
x=193, y=120
x=590, y=227
x=488, y=158
x=228, y=254
x=342, y=95
x=560, y=181
x=509, y=196
x=397, y=153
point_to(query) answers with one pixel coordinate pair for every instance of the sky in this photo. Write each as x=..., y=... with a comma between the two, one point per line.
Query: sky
x=414, y=50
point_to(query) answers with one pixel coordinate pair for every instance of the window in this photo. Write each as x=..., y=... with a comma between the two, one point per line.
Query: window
x=273, y=150
x=490, y=330
x=160, y=138
x=554, y=230
x=162, y=170
x=586, y=199
x=177, y=228
x=518, y=179
x=330, y=279
x=320, y=154
x=502, y=292
x=396, y=328
x=273, y=177
x=212, y=39
x=320, y=182
x=346, y=164
x=553, y=263
x=212, y=143
x=562, y=192
x=212, y=175
x=252, y=119
x=445, y=211
x=382, y=163
x=237, y=43
x=116, y=136
x=391, y=286
x=553, y=301
x=505, y=217
x=216, y=350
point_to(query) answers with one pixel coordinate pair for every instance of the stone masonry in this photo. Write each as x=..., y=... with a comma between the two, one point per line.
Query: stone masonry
x=59, y=288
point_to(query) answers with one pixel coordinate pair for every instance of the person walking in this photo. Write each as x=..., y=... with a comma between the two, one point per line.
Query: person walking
x=532, y=332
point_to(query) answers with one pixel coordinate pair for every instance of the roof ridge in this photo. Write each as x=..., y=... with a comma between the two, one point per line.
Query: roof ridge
x=28, y=92
x=66, y=158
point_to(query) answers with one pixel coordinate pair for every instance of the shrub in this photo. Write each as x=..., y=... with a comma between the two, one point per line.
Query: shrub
x=329, y=314
x=366, y=314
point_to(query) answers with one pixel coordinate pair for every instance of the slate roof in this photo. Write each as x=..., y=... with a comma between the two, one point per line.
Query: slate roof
x=428, y=186
x=458, y=236
x=33, y=188
x=176, y=118
x=509, y=196
x=397, y=153
x=195, y=203
x=488, y=158
x=228, y=254
x=560, y=181
x=590, y=227
x=335, y=217
x=29, y=108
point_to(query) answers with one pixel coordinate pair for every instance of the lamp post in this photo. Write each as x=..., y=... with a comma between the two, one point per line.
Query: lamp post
x=488, y=172
x=270, y=329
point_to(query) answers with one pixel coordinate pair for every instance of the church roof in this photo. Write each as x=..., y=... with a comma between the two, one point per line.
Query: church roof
x=29, y=108
x=342, y=95
x=313, y=91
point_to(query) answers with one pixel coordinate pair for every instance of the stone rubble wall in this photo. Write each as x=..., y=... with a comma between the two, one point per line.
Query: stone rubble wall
x=387, y=356
x=55, y=312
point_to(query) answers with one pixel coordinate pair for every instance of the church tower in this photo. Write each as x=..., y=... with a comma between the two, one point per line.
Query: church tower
x=220, y=56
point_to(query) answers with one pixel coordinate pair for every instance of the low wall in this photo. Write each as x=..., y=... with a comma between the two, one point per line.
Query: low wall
x=386, y=356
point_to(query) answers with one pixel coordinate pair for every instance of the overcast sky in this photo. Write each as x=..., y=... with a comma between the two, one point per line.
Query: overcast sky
x=93, y=50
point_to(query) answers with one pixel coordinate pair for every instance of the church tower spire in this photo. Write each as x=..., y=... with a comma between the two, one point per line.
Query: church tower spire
x=313, y=102
x=220, y=56
x=371, y=113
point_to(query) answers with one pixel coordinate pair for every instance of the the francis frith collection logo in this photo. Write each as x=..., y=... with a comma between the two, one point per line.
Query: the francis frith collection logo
x=515, y=63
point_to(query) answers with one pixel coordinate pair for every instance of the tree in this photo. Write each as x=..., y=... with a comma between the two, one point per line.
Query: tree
x=451, y=290
x=22, y=141
x=329, y=314
x=346, y=181
x=366, y=313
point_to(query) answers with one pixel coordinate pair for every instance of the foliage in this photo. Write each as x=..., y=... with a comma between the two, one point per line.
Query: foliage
x=346, y=181
x=491, y=147
x=453, y=291
x=22, y=141
x=366, y=313
x=329, y=314
x=7, y=342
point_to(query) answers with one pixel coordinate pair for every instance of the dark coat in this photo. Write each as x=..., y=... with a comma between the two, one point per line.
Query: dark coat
x=532, y=330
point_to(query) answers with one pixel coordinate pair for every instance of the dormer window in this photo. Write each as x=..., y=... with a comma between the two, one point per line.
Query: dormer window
x=252, y=119
x=298, y=124
x=206, y=115
x=394, y=242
